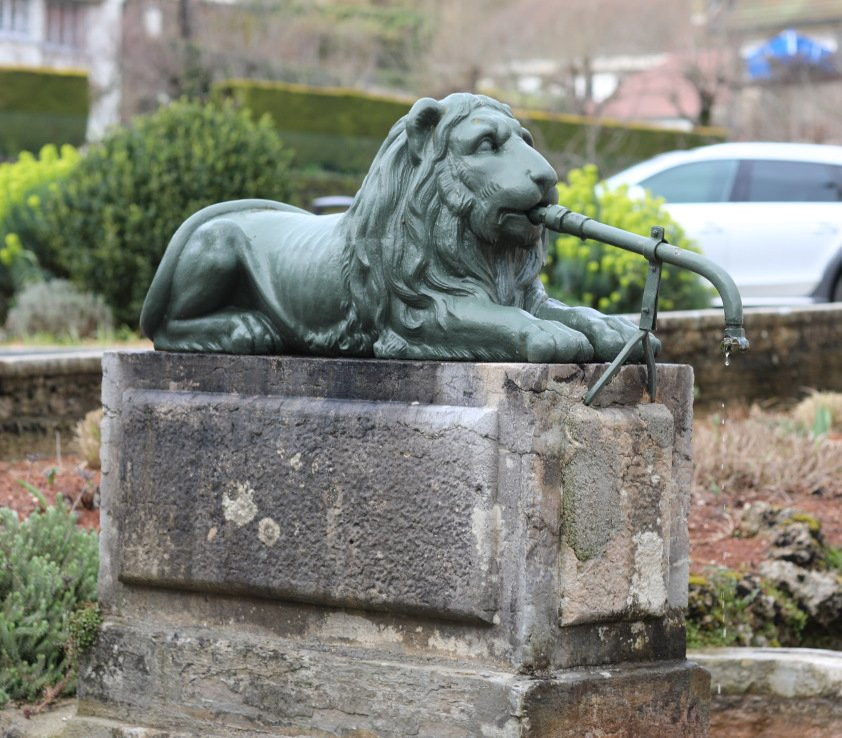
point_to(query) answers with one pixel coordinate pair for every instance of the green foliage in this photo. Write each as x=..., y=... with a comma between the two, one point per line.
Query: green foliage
x=48, y=570
x=340, y=130
x=38, y=106
x=608, y=278
x=732, y=609
x=83, y=627
x=107, y=224
x=22, y=184
x=833, y=557
x=58, y=307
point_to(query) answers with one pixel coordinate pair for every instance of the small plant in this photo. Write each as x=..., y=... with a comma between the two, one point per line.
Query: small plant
x=48, y=570
x=607, y=278
x=59, y=309
x=819, y=413
x=88, y=437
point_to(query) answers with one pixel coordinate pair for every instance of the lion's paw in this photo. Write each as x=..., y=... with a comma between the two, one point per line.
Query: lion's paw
x=550, y=342
x=252, y=333
x=610, y=334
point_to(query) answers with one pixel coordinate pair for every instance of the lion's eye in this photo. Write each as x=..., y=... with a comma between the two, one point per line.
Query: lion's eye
x=527, y=136
x=487, y=143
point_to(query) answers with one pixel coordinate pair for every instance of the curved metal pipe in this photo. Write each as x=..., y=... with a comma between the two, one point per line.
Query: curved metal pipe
x=560, y=219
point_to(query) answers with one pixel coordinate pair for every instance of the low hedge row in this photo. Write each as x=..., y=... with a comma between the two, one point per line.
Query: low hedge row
x=41, y=106
x=340, y=130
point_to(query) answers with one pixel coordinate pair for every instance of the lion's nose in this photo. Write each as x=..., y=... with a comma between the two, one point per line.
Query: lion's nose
x=543, y=174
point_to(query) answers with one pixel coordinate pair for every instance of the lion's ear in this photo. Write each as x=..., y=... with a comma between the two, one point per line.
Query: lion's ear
x=422, y=118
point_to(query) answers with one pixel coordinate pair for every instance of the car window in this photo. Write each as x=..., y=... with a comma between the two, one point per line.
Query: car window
x=789, y=181
x=701, y=181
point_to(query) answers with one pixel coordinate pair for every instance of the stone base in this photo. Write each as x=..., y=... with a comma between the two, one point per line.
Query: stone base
x=317, y=547
x=189, y=681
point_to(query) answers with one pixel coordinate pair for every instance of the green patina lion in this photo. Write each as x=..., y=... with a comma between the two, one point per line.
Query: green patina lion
x=435, y=259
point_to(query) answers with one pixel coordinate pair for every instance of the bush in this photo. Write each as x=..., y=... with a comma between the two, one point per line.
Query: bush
x=59, y=309
x=22, y=185
x=48, y=570
x=108, y=223
x=608, y=278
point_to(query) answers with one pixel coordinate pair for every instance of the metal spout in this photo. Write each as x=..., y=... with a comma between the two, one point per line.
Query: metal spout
x=560, y=219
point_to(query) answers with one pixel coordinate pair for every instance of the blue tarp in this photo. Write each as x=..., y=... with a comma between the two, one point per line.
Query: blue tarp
x=789, y=48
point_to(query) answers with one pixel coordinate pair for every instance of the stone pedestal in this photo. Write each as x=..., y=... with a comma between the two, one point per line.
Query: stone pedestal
x=316, y=547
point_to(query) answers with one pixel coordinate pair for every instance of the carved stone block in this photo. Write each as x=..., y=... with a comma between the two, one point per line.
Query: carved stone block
x=297, y=546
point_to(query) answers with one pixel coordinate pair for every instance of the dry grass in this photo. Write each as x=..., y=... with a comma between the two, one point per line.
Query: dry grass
x=807, y=413
x=88, y=438
x=768, y=451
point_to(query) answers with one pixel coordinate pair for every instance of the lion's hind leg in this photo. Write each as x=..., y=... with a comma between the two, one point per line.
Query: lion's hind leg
x=206, y=283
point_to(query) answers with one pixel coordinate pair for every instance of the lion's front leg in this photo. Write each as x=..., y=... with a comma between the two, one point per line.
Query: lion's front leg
x=480, y=330
x=606, y=333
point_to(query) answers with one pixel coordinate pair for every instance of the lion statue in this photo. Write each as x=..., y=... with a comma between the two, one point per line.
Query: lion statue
x=435, y=259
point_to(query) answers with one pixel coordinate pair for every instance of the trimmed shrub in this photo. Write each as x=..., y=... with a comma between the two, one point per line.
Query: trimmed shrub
x=341, y=130
x=570, y=141
x=585, y=272
x=57, y=308
x=329, y=128
x=48, y=570
x=108, y=223
x=39, y=106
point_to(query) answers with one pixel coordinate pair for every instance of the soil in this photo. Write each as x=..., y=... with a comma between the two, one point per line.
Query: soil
x=714, y=517
x=67, y=476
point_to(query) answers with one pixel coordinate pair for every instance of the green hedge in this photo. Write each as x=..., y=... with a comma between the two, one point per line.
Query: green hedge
x=328, y=128
x=41, y=106
x=571, y=141
x=340, y=130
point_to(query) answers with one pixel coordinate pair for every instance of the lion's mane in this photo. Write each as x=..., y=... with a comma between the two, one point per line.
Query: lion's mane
x=408, y=242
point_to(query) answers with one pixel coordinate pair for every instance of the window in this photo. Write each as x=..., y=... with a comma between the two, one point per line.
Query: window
x=14, y=16
x=789, y=181
x=64, y=23
x=701, y=181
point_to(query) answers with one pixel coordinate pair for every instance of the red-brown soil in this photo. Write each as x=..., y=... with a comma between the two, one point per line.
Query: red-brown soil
x=715, y=516
x=66, y=476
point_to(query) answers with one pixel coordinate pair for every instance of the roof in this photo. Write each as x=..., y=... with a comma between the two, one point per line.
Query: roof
x=747, y=15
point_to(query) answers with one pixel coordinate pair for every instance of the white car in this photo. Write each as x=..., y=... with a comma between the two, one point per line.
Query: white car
x=769, y=213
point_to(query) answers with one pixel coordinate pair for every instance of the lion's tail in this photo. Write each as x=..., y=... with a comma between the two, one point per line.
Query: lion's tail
x=157, y=299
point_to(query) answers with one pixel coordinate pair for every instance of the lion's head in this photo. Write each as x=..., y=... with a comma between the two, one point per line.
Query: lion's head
x=442, y=212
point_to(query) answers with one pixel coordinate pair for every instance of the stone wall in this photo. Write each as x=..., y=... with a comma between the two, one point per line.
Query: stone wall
x=43, y=394
x=792, y=349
